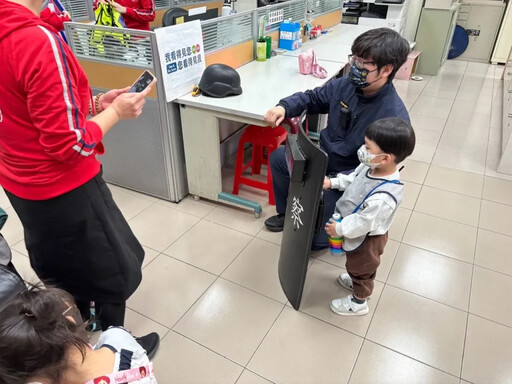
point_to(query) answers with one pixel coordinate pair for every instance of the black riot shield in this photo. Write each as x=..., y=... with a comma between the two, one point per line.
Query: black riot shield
x=307, y=164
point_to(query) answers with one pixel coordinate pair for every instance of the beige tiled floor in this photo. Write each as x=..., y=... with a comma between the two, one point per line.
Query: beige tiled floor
x=440, y=313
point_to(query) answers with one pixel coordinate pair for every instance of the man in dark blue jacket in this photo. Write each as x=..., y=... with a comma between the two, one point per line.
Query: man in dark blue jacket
x=353, y=102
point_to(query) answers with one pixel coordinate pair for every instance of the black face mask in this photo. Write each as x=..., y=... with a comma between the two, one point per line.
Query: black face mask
x=358, y=76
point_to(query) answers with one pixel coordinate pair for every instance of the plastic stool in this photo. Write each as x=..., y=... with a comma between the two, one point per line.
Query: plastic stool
x=260, y=137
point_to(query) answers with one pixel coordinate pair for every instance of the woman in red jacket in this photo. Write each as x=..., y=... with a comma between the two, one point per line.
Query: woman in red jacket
x=136, y=13
x=76, y=236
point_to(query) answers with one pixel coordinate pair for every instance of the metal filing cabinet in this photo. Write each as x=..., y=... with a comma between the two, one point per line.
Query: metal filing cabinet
x=481, y=19
x=434, y=37
x=504, y=42
x=505, y=165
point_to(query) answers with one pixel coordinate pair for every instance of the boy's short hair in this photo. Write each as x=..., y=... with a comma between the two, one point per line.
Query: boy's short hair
x=384, y=46
x=394, y=136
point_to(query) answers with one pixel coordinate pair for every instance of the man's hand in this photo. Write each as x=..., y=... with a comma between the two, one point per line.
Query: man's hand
x=327, y=183
x=330, y=228
x=275, y=116
x=118, y=7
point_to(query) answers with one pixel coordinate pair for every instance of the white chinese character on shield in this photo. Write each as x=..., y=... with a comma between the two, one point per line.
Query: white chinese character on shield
x=296, y=211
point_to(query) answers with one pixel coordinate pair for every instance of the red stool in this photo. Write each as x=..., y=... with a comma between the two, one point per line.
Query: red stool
x=259, y=137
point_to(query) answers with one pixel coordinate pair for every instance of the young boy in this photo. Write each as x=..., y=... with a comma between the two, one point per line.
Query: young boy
x=372, y=195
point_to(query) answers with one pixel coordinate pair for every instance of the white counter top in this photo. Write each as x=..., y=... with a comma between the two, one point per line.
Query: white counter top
x=335, y=45
x=263, y=85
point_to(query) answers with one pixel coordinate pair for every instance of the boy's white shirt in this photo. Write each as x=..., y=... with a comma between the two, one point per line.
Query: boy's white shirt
x=378, y=208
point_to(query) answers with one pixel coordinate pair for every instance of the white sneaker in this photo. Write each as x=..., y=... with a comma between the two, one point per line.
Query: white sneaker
x=346, y=306
x=345, y=281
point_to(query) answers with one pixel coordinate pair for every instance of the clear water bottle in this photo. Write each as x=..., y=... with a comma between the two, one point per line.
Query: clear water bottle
x=336, y=243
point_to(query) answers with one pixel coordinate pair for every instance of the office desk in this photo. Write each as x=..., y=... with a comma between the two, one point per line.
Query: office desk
x=263, y=84
x=335, y=45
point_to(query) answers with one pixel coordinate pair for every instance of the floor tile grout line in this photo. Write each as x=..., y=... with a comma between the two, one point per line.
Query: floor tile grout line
x=137, y=214
x=443, y=130
x=266, y=334
x=377, y=303
x=452, y=257
x=252, y=290
x=257, y=374
x=217, y=277
x=489, y=128
x=182, y=235
x=490, y=320
x=457, y=222
x=357, y=357
x=418, y=96
x=147, y=317
x=234, y=229
x=194, y=303
x=469, y=301
x=150, y=262
x=424, y=297
x=167, y=204
x=209, y=348
x=237, y=256
x=187, y=263
x=212, y=273
x=456, y=193
x=412, y=358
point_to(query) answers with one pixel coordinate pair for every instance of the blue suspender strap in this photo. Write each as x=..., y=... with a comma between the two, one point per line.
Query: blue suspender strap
x=369, y=193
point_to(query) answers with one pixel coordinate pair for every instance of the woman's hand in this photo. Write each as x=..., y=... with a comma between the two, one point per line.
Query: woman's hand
x=118, y=7
x=106, y=99
x=129, y=105
x=330, y=228
x=275, y=116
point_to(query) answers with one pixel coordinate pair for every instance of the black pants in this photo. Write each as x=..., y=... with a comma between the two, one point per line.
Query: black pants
x=80, y=242
x=108, y=314
x=281, y=185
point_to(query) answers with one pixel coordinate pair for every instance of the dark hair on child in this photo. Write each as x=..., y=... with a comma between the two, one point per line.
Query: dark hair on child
x=394, y=136
x=383, y=46
x=35, y=336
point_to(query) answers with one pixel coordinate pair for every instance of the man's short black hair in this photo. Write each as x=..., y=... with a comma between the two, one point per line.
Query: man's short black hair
x=383, y=46
x=394, y=136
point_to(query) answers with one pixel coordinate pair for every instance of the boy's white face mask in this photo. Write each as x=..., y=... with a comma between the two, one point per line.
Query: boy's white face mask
x=366, y=158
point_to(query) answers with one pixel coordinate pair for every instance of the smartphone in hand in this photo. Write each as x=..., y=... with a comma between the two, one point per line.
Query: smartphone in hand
x=142, y=82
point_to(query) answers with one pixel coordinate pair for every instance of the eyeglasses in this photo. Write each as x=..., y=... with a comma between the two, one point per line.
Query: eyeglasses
x=360, y=63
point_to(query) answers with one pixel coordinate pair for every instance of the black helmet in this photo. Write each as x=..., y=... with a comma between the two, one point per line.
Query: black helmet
x=220, y=80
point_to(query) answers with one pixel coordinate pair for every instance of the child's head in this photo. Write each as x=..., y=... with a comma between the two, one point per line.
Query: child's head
x=37, y=330
x=387, y=142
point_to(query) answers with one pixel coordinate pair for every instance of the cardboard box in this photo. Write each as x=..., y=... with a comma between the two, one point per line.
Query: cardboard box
x=289, y=36
x=409, y=67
